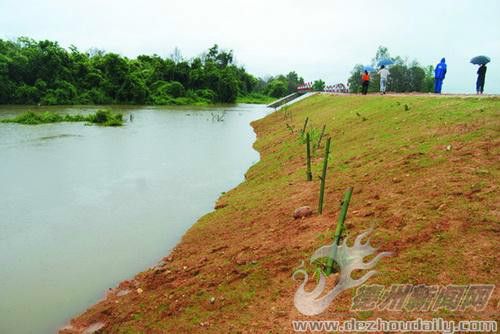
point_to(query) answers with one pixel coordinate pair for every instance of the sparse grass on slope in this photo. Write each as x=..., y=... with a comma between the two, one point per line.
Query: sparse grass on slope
x=425, y=175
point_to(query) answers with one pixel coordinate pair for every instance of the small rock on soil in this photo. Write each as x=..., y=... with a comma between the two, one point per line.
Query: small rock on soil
x=303, y=211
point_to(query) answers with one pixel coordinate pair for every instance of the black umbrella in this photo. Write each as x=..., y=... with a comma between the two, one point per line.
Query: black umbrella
x=480, y=60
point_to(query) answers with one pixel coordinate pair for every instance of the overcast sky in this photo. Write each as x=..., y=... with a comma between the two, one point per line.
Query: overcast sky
x=318, y=39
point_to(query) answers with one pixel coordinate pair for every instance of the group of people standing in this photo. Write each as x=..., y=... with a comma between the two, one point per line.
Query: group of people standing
x=439, y=75
x=384, y=75
x=365, y=79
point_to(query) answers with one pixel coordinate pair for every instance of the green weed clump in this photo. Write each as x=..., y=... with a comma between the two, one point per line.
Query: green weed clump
x=32, y=118
x=101, y=117
x=106, y=118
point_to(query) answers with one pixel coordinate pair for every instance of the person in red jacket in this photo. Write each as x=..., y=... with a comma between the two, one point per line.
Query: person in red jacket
x=365, y=81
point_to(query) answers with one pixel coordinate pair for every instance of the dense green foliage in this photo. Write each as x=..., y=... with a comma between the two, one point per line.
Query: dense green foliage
x=404, y=77
x=280, y=85
x=42, y=72
x=101, y=117
x=319, y=85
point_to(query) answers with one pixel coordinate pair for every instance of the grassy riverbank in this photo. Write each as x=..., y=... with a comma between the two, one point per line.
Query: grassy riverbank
x=425, y=175
x=255, y=99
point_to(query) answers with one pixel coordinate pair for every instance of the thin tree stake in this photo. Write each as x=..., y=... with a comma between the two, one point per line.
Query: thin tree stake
x=305, y=125
x=323, y=176
x=339, y=229
x=321, y=135
x=308, y=151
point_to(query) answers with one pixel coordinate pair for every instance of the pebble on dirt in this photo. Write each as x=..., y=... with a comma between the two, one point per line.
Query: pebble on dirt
x=303, y=211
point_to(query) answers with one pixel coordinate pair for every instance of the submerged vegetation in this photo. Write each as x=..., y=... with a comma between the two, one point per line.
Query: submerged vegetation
x=101, y=117
x=42, y=72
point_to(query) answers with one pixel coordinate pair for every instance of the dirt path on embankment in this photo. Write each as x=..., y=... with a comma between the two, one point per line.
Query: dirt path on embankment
x=425, y=174
x=462, y=95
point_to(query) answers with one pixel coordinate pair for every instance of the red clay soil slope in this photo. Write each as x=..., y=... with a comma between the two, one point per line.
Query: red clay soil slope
x=425, y=173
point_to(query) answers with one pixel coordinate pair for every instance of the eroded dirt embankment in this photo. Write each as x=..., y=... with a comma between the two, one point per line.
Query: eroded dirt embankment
x=425, y=174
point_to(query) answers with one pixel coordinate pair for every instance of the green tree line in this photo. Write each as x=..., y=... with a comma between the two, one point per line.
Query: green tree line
x=42, y=72
x=404, y=76
x=280, y=85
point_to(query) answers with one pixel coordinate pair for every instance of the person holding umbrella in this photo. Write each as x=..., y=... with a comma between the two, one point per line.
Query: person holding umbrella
x=384, y=73
x=365, y=81
x=439, y=74
x=481, y=72
x=481, y=75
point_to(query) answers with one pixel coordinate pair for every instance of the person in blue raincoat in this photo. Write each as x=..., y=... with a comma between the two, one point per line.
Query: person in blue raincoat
x=439, y=74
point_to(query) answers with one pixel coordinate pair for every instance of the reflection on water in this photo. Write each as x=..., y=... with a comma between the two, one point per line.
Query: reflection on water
x=84, y=207
x=58, y=136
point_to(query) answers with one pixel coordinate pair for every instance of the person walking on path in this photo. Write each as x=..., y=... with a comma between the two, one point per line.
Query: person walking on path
x=365, y=80
x=384, y=73
x=439, y=74
x=481, y=75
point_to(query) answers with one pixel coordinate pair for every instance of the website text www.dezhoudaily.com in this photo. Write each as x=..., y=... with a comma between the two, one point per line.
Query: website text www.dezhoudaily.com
x=418, y=325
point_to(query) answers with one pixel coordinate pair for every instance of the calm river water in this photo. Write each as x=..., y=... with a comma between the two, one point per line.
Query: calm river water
x=85, y=207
